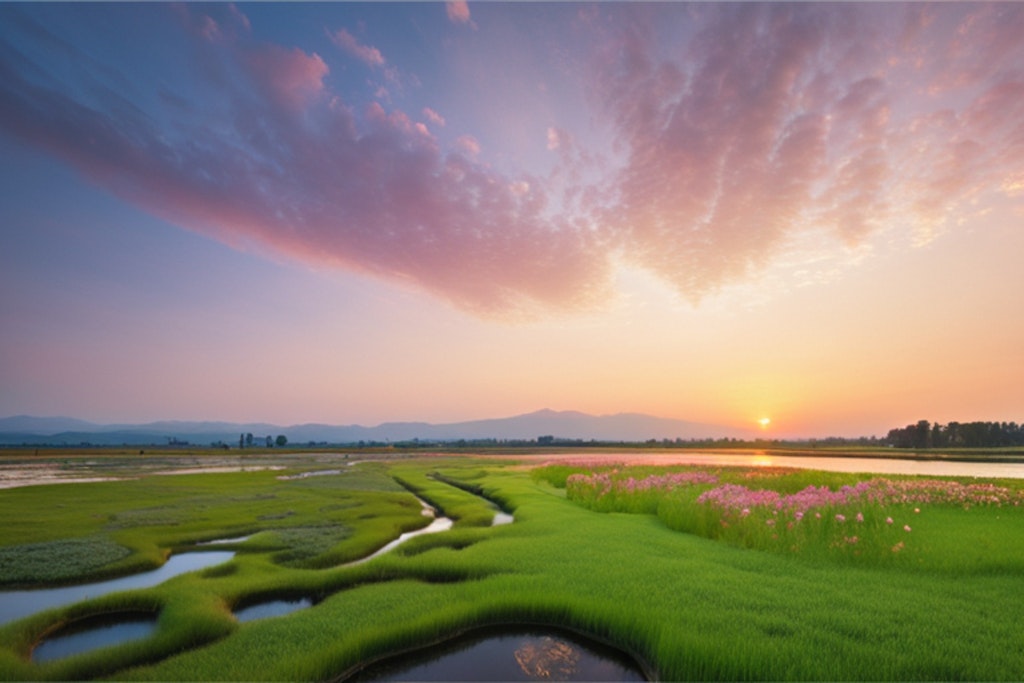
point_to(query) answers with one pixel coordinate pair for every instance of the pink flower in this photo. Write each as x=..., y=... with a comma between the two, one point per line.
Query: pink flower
x=860, y=517
x=888, y=520
x=840, y=518
x=906, y=527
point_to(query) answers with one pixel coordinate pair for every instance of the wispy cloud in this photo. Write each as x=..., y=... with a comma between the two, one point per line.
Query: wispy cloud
x=768, y=122
x=458, y=11
x=364, y=53
x=785, y=118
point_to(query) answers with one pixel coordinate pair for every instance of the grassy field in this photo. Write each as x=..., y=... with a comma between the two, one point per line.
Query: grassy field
x=646, y=570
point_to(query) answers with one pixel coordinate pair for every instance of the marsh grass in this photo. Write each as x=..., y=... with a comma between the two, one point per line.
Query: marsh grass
x=853, y=518
x=59, y=560
x=690, y=607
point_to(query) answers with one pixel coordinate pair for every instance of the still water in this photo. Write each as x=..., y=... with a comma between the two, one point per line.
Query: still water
x=510, y=655
x=835, y=463
x=271, y=608
x=438, y=525
x=17, y=604
x=83, y=638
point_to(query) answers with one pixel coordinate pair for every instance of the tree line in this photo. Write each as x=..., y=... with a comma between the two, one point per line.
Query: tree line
x=248, y=441
x=924, y=434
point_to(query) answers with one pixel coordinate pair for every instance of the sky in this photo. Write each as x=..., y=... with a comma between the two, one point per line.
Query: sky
x=355, y=213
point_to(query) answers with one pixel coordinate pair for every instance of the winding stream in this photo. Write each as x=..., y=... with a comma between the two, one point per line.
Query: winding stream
x=16, y=605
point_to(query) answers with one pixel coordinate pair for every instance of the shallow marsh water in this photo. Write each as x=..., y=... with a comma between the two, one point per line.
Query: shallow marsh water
x=85, y=638
x=938, y=467
x=271, y=608
x=510, y=655
x=18, y=604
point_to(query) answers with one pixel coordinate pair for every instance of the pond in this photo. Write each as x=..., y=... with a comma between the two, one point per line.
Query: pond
x=93, y=634
x=524, y=654
x=271, y=608
x=18, y=604
x=940, y=466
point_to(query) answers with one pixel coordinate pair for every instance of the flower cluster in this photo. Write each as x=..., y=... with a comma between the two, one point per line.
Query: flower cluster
x=877, y=491
x=614, y=491
x=906, y=491
x=603, y=482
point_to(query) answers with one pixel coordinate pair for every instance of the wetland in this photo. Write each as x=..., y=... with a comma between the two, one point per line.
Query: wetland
x=321, y=566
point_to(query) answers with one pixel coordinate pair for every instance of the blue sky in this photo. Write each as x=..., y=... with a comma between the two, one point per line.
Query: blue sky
x=360, y=212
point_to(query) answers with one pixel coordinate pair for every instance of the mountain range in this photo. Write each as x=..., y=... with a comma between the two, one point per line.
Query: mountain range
x=27, y=430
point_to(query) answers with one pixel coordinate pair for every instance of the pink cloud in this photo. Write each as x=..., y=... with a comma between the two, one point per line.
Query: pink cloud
x=433, y=116
x=468, y=145
x=290, y=77
x=769, y=120
x=458, y=11
x=364, y=53
x=777, y=119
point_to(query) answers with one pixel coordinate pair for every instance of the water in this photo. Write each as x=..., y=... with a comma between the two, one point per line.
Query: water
x=834, y=463
x=520, y=655
x=18, y=604
x=225, y=541
x=439, y=524
x=502, y=518
x=273, y=608
x=83, y=638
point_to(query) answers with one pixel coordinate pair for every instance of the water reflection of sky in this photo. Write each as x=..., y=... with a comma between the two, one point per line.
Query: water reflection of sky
x=17, y=604
x=510, y=656
x=933, y=468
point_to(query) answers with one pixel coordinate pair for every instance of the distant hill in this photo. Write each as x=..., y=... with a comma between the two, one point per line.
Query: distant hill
x=26, y=430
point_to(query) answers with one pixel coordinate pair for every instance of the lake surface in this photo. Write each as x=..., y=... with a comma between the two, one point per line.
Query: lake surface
x=78, y=640
x=833, y=463
x=18, y=604
x=510, y=655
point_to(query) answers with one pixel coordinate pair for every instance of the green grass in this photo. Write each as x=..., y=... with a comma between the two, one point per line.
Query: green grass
x=692, y=608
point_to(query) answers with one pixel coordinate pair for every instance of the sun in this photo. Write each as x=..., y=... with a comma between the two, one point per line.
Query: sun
x=764, y=422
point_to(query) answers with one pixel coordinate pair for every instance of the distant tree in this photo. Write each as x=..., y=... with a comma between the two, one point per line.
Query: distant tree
x=270, y=441
x=281, y=440
x=922, y=434
x=248, y=439
x=241, y=441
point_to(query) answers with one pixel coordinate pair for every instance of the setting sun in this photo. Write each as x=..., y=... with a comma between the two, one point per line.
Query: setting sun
x=764, y=422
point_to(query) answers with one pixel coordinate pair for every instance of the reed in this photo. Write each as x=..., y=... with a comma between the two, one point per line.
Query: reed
x=689, y=606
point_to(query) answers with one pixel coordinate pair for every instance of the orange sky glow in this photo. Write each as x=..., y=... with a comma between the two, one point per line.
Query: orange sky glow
x=354, y=213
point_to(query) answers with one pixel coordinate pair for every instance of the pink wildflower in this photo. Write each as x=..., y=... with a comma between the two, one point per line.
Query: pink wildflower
x=770, y=522
x=860, y=517
x=906, y=527
x=840, y=518
x=888, y=520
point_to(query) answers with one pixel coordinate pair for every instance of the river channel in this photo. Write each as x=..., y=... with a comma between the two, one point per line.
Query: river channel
x=18, y=604
x=938, y=467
